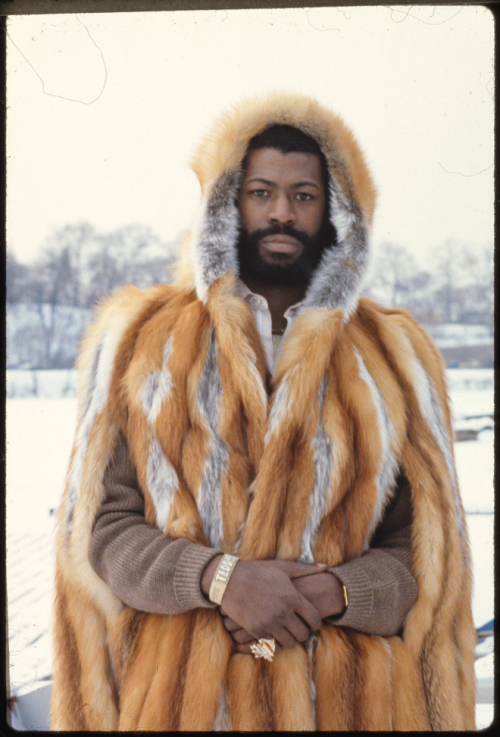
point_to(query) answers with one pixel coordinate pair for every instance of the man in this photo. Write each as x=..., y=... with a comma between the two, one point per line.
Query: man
x=260, y=408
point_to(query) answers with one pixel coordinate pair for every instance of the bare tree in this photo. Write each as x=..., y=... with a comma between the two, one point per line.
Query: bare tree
x=477, y=298
x=16, y=275
x=77, y=267
x=392, y=278
x=69, y=250
x=457, y=288
x=130, y=255
x=449, y=260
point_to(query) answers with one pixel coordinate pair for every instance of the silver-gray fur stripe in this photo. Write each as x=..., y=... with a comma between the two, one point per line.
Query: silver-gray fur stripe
x=323, y=461
x=89, y=378
x=279, y=407
x=162, y=482
x=96, y=382
x=310, y=646
x=386, y=478
x=216, y=464
x=222, y=722
x=216, y=234
x=157, y=386
x=432, y=412
x=161, y=477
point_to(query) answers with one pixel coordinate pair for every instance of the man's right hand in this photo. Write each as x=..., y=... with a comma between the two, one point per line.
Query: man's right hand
x=262, y=599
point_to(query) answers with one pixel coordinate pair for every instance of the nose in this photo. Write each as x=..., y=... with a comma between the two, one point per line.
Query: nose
x=281, y=211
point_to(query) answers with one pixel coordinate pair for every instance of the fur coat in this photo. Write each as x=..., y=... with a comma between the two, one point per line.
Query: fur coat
x=358, y=396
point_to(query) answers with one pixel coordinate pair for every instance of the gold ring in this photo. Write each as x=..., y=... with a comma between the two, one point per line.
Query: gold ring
x=264, y=649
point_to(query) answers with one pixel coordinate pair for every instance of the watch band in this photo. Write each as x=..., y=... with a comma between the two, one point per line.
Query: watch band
x=221, y=578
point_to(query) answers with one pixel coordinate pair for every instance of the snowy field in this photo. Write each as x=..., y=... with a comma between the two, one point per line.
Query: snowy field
x=39, y=437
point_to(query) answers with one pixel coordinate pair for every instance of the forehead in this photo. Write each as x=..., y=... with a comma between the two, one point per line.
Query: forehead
x=283, y=168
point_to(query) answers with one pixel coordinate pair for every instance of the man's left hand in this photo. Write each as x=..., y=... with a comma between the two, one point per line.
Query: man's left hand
x=323, y=590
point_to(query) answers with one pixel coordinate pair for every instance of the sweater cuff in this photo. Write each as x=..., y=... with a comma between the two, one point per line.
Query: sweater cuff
x=360, y=597
x=187, y=577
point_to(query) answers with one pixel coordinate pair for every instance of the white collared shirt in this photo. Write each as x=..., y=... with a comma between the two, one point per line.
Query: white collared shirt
x=260, y=308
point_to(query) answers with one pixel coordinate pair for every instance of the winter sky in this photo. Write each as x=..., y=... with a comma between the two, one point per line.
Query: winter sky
x=105, y=109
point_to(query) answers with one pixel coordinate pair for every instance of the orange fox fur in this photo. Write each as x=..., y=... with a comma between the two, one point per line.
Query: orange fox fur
x=358, y=395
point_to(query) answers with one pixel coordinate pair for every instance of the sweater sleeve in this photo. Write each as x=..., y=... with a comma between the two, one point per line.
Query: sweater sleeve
x=146, y=569
x=380, y=585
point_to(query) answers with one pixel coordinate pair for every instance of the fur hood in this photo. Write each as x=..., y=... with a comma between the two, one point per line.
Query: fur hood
x=210, y=250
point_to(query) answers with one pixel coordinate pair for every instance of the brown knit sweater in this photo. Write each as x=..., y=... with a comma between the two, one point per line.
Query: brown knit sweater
x=152, y=572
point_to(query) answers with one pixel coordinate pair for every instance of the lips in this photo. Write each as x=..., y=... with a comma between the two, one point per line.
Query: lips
x=281, y=244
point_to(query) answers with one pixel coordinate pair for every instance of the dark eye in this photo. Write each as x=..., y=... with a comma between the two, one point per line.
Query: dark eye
x=260, y=192
x=304, y=196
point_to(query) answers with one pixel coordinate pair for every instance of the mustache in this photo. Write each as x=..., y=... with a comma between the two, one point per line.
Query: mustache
x=283, y=272
x=288, y=230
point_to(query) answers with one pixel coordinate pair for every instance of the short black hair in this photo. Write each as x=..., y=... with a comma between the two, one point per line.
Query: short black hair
x=288, y=139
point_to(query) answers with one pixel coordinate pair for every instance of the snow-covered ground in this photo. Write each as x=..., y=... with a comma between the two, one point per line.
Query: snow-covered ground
x=48, y=383
x=39, y=437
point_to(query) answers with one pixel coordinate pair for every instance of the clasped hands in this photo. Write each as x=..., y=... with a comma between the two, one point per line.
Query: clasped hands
x=286, y=600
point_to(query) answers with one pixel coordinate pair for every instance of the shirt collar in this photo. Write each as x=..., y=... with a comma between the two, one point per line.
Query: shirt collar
x=259, y=302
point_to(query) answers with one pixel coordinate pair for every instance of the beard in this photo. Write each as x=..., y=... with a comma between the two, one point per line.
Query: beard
x=282, y=271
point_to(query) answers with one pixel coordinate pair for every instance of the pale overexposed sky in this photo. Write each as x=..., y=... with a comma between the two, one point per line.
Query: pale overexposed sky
x=105, y=109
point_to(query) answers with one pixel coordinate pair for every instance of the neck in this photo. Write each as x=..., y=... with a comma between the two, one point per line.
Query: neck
x=279, y=299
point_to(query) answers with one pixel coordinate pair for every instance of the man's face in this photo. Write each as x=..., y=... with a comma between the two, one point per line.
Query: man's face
x=282, y=206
